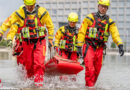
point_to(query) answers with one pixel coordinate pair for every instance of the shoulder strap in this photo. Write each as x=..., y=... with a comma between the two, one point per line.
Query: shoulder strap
x=77, y=30
x=96, y=19
x=24, y=8
x=90, y=18
x=66, y=27
x=19, y=15
x=43, y=15
x=37, y=6
x=62, y=31
x=111, y=22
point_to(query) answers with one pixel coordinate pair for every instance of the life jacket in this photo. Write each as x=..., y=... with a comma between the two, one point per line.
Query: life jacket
x=32, y=28
x=99, y=31
x=69, y=40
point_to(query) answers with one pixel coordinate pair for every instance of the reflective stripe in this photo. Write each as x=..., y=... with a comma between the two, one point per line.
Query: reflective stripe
x=51, y=35
x=119, y=42
x=74, y=43
x=56, y=44
x=36, y=22
x=80, y=42
x=38, y=82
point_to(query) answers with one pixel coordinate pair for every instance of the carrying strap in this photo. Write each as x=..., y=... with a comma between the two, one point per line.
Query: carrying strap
x=86, y=49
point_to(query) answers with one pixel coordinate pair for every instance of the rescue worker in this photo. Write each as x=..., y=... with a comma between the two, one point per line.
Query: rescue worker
x=65, y=38
x=95, y=30
x=30, y=23
x=17, y=48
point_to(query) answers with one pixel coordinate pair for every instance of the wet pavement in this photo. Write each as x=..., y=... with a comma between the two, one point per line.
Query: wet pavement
x=115, y=75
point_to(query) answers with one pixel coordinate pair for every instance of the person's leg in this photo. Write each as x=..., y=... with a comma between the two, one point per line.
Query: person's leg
x=17, y=51
x=74, y=56
x=63, y=54
x=39, y=58
x=98, y=61
x=20, y=59
x=89, y=66
x=27, y=57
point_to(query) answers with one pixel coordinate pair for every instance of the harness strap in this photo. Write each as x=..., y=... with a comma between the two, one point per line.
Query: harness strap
x=69, y=55
x=24, y=8
x=86, y=49
x=37, y=6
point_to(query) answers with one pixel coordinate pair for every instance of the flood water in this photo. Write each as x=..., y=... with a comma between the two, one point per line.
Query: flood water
x=115, y=75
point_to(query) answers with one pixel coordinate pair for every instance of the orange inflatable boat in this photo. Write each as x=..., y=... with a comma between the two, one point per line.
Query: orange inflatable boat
x=64, y=66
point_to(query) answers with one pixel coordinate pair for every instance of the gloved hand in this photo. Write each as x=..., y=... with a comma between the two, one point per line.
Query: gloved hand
x=79, y=51
x=121, y=51
x=9, y=43
x=1, y=37
x=50, y=44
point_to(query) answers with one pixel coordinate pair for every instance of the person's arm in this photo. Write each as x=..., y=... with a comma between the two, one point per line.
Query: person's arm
x=116, y=37
x=8, y=22
x=83, y=28
x=58, y=36
x=46, y=20
x=12, y=32
x=114, y=33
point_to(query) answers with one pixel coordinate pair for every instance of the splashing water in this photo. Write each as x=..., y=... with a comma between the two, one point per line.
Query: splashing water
x=114, y=76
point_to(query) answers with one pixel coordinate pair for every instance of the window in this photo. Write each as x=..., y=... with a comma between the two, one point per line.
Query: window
x=128, y=3
x=114, y=10
x=121, y=10
x=85, y=3
x=121, y=3
x=67, y=5
x=60, y=5
x=92, y=4
x=121, y=18
x=128, y=10
x=54, y=5
x=74, y=5
x=60, y=12
x=128, y=18
x=54, y=11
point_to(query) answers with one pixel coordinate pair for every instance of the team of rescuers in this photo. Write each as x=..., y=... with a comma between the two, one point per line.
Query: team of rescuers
x=27, y=25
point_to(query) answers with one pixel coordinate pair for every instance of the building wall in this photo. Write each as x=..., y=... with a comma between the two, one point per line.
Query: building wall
x=119, y=11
